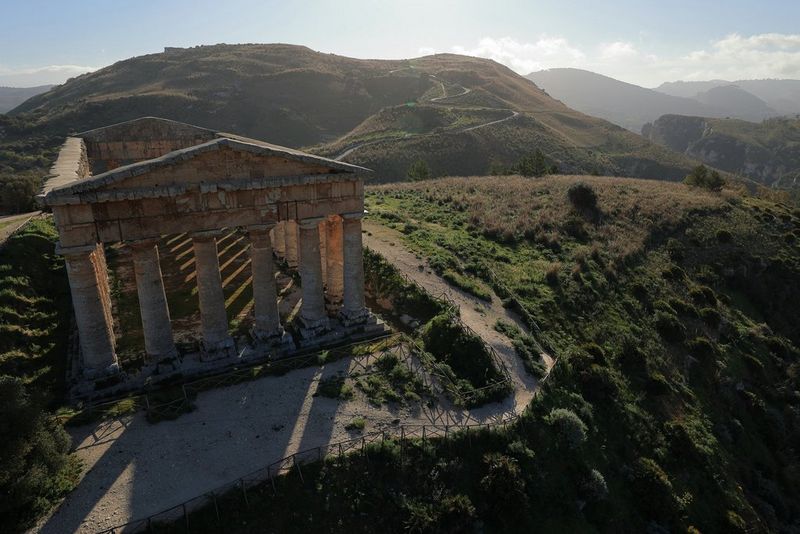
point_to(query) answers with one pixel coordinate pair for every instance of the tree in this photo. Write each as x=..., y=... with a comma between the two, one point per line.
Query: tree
x=35, y=465
x=419, y=171
x=702, y=177
x=533, y=165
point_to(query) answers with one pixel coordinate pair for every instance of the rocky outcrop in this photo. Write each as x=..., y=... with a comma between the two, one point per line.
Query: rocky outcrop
x=768, y=152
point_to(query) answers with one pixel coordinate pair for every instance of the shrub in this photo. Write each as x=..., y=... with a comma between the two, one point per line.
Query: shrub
x=594, y=486
x=570, y=429
x=654, y=489
x=419, y=171
x=583, y=198
x=702, y=177
x=724, y=236
x=357, y=423
x=670, y=327
x=710, y=316
x=702, y=349
x=36, y=468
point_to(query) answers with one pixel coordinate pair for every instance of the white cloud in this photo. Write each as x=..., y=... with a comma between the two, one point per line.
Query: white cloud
x=547, y=51
x=49, y=74
x=769, y=55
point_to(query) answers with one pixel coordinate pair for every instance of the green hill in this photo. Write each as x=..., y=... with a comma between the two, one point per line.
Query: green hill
x=767, y=152
x=673, y=406
x=418, y=108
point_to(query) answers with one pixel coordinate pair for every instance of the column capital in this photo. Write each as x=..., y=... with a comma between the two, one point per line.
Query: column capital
x=310, y=222
x=353, y=215
x=207, y=235
x=80, y=250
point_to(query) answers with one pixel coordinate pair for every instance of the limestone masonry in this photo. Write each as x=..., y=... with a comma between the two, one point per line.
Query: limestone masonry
x=136, y=181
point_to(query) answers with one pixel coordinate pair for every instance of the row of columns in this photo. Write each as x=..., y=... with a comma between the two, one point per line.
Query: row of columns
x=337, y=274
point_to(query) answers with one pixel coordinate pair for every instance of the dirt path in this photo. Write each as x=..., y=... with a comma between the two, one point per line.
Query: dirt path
x=134, y=469
x=12, y=223
x=464, y=90
x=478, y=314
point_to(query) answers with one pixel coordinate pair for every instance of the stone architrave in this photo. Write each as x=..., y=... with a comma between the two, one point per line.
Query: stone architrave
x=217, y=342
x=158, y=342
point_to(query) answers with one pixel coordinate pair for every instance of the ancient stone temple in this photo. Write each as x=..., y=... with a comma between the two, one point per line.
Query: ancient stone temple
x=136, y=181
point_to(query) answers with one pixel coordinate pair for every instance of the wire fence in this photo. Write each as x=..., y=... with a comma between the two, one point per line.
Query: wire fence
x=238, y=493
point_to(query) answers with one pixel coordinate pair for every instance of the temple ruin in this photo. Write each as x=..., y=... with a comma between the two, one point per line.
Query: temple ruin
x=136, y=181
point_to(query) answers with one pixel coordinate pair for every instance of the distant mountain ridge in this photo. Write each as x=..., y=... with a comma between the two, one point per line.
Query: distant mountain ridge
x=460, y=114
x=11, y=97
x=632, y=106
x=781, y=95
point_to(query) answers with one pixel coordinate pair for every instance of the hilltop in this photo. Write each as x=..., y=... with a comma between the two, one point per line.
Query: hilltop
x=408, y=109
x=767, y=152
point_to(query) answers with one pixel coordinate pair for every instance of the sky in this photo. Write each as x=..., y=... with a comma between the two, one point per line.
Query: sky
x=644, y=42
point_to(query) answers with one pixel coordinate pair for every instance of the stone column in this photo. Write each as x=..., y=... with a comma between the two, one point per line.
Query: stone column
x=353, y=310
x=158, y=342
x=267, y=320
x=88, y=283
x=323, y=249
x=290, y=236
x=280, y=240
x=312, y=310
x=217, y=343
x=334, y=286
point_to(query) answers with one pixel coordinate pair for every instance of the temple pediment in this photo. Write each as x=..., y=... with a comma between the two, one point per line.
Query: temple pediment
x=156, y=157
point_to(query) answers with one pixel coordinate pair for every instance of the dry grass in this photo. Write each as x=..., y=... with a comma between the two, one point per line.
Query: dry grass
x=513, y=208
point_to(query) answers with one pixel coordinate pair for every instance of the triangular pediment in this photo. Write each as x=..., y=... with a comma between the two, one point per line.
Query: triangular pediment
x=225, y=160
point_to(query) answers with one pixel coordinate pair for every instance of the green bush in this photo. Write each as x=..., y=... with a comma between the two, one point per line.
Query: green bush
x=710, y=316
x=570, y=430
x=669, y=327
x=36, y=468
x=702, y=177
x=653, y=489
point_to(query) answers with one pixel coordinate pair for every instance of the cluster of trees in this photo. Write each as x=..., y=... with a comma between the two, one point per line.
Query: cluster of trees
x=534, y=164
x=701, y=176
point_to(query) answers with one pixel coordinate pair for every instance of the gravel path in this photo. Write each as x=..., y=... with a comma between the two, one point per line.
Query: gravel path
x=134, y=469
x=11, y=223
x=478, y=314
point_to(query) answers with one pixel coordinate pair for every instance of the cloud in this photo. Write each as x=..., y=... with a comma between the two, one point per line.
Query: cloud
x=733, y=57
x=525, y=57
x=49, y=74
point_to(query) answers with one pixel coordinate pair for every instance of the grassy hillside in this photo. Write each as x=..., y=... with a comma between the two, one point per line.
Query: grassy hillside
x=767, y=152
x=674, y=405
x=294, y=96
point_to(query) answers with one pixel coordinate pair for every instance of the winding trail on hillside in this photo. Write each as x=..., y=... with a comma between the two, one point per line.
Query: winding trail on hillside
x=478, y=314
x=134, y=469
x=436, y=100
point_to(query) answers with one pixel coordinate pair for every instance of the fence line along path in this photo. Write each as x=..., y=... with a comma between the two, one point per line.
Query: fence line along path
x=135, y=469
